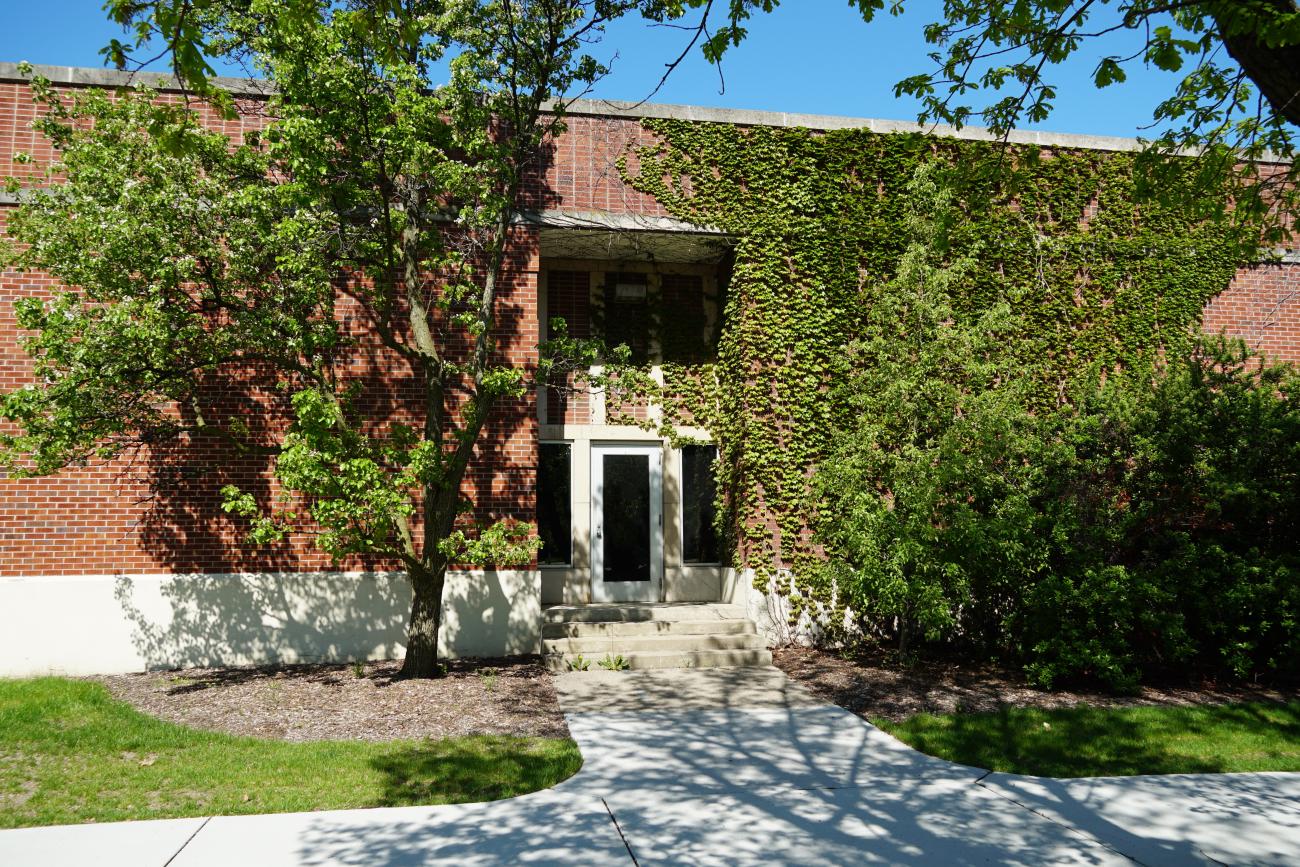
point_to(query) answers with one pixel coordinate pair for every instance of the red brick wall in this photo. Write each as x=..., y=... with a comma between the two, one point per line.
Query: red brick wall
x=17, y=111
x=1262, y=306
x=160, y=511
x=582, y=173
x=568, y=297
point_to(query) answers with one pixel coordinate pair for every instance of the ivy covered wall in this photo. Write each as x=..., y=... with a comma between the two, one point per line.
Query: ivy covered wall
x=1100, y=279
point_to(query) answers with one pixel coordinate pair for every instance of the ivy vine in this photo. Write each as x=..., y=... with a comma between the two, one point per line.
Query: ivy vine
x=1100, y=278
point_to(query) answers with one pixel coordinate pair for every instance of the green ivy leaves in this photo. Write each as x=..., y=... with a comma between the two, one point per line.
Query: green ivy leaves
x=1098, y=279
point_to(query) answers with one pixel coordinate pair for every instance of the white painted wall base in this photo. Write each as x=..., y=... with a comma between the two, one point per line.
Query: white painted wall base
x=771, y=611
x=105, y=624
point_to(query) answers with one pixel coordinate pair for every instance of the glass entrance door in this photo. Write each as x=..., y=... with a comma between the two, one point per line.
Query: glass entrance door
x=626, y=523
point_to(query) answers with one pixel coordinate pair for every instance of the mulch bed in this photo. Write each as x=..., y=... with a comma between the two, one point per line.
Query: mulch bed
x=875, y=686
x=352, y=702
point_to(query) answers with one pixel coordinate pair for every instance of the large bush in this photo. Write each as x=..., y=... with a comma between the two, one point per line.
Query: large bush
x=1146, y=518
x=1177, y=513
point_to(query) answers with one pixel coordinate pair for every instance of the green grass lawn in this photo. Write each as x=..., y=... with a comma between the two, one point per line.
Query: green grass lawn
x=1103, y=742
x=69, y=752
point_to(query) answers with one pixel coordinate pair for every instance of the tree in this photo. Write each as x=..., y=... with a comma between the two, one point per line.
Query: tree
x=193, y=259
x=935, y=428
x=996, y=45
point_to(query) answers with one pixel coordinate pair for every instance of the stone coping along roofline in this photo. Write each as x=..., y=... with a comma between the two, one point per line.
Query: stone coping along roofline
x=257, y=88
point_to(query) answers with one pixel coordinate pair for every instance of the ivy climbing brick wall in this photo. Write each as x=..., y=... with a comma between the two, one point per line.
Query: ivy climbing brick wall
x=1100, y=280
x=583, y=176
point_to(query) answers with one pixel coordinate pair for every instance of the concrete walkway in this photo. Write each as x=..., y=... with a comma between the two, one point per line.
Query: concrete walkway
x=735, y=767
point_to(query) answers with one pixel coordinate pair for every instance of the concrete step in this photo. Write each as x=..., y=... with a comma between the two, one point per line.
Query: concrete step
x=601, y=645
x=641, y=612
x=636, y=629
x=649, y=636
x=644, y=660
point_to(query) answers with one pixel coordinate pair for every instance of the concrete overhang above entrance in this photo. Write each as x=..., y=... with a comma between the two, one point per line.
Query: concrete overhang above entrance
x=627, y=238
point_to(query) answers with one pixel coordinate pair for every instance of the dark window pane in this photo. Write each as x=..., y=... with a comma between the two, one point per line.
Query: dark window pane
x=699, y=538
x=683, y=332
x=627, y=314
x=554, y=518
x=626, y=511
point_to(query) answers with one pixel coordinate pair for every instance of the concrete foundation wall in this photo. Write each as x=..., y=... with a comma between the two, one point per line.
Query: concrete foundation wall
x=772, y=610
x=105, y=624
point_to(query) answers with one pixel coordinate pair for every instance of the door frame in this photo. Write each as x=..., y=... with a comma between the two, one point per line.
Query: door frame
x=627, y=591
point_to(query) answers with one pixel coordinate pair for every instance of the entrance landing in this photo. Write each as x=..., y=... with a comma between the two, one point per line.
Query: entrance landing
x=668, y=690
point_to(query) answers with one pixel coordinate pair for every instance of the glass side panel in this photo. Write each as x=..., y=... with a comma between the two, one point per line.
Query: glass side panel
x=699, y=538
x=626, y=524
x=554, y=510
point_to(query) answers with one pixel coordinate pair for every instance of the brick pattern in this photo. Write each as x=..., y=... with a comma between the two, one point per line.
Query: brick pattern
x=579, y=171
x=568, y=297
x=18, y=111
x=1262, y=306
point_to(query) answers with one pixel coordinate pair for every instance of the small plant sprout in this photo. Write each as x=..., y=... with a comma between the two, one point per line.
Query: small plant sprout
x=615, y=663
x=578, y=663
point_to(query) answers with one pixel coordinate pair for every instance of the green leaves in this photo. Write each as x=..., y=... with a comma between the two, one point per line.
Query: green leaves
x=501, y=543
x=1109, y=72
x=1236, y=94
x=921, y=321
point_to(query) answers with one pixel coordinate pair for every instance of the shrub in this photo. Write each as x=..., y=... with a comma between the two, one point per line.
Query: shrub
x=1151, y=523
x=1139, y=519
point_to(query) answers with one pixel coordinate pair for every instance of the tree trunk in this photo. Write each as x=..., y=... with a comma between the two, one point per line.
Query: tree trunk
x=1275, y=69
x=426, y=620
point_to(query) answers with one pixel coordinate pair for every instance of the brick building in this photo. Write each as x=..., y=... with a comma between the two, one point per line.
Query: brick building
x=140, y=560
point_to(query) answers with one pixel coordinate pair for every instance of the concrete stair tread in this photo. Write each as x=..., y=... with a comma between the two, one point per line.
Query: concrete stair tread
x=639, y=612
x=585, y=629
x=651, y=643
x=640, y=660
x=652, y=635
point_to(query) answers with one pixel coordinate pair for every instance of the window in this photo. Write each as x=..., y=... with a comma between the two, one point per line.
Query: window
x=699, y=538
x=627, y=314
x=554, y=505
x=686, y=338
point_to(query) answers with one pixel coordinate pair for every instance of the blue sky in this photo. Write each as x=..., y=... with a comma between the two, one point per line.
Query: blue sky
x=812, y=56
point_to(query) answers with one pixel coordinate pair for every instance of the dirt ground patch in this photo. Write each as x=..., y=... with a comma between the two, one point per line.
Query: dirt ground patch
x=874, y=686
x=352, y=702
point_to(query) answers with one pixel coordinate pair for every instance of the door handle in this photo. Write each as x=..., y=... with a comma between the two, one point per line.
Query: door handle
x=598, y=532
